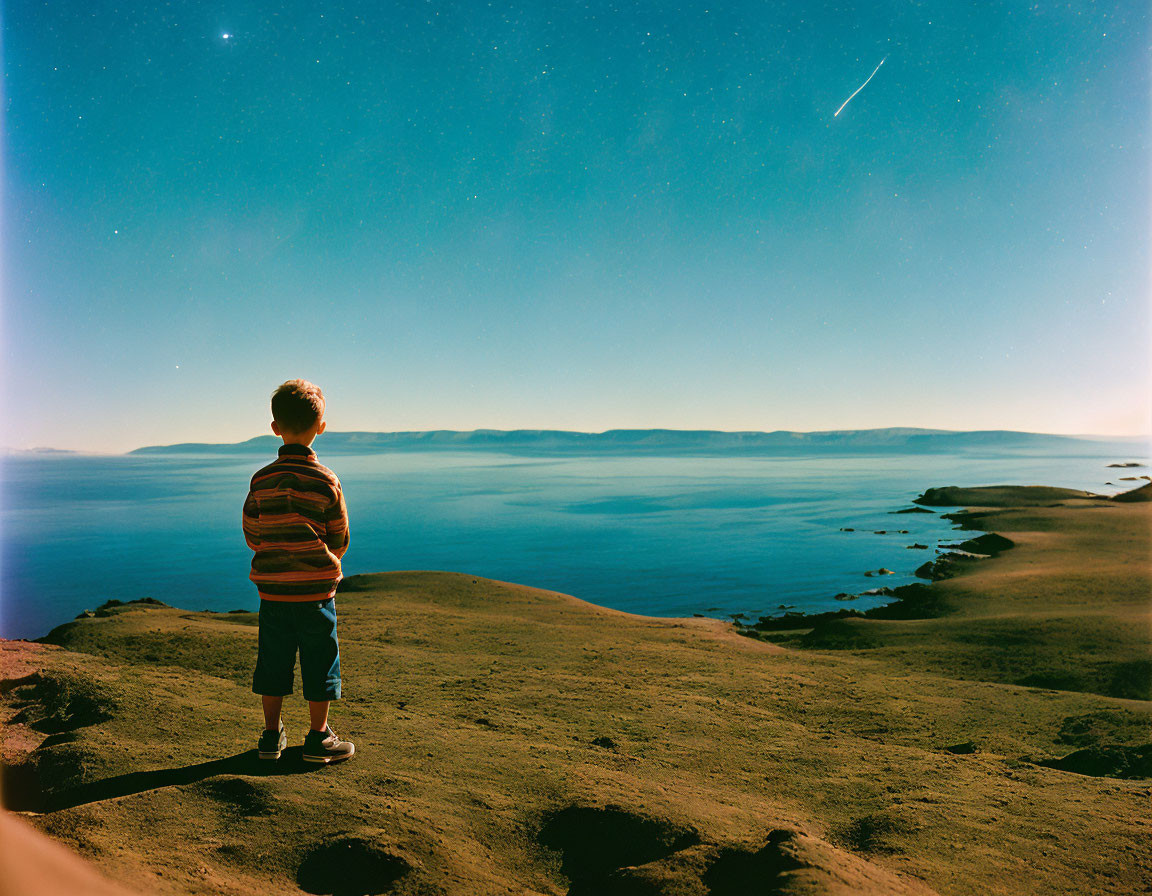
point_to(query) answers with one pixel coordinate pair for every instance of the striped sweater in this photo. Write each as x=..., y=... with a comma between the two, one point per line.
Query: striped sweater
x=296, y=522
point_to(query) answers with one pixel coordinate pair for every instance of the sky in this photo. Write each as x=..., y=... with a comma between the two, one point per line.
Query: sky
x=575, y=216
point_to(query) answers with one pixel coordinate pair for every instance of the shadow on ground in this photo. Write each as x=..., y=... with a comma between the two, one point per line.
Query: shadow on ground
x=24, y=792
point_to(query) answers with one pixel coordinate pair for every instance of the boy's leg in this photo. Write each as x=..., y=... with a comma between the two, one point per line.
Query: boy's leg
x=319, y=651
x=319, y=660
x=318, y=712
x=320, y=674
x=275, y=660
x=272, y=707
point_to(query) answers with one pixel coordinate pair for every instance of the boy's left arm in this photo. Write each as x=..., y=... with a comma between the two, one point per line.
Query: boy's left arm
x=336, y=520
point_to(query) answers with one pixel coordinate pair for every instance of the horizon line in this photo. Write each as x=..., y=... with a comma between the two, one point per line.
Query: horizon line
x=7, y=450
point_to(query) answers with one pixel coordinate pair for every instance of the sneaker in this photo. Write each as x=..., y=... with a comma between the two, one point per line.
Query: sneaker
x=272, y=742
x=325, y=746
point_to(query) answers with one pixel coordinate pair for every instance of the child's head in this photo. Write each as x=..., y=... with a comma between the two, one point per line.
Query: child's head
x=298, y=411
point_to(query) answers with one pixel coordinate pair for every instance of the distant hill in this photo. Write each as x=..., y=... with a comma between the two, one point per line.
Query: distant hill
x=660, y=442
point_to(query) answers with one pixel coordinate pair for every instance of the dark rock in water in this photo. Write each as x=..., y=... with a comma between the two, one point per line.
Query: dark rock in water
x=794, y=619
x=913, y=510
x=843, y=595
x=915, y=601
x=231, y=612
x=918, y=547
x=1129, y=464
x=966, y=747
x=606, y=742
x=868, y=574
x=846, y=529
x=885, y=571
x=901, y=531
x=1106, y=762
x=1144, y=493
x=698, y=615
x=880, y=532
x=878, y=592
x=943, y=567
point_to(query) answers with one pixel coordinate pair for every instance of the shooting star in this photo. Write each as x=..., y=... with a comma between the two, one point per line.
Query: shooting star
x=861, y=87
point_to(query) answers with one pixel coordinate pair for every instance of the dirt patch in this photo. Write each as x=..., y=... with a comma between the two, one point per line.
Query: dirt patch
x=1106, y=762
x=351, y=866
x=594, y=842
x=883, y=831
x=737, y=872
x=239, y=794
x=1102, y=726
x=53, y=705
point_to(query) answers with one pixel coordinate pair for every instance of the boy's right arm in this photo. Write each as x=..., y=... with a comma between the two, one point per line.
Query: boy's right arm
x=251, y=522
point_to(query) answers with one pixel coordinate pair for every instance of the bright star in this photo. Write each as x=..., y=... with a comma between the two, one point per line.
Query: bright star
x=226, y=35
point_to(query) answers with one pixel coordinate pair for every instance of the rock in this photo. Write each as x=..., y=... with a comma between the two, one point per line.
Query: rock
x=845, y=529
x=880, y=532
x=885, y=571
x=843, y=595
x=1129, y=464
x=878, y=592
x=943, y=567
x=913, y=510
x=918, y=547
x=868, y=573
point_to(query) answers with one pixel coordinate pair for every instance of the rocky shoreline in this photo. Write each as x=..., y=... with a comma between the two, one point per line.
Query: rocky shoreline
x=916, y=600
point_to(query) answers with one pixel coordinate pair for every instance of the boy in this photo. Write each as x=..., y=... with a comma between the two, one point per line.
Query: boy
x=296, y=522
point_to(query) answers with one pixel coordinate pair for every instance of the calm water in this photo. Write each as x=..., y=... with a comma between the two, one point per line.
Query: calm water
x=661, y=536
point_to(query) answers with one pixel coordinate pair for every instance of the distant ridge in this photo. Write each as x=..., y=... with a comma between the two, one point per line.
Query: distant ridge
x=655, y=442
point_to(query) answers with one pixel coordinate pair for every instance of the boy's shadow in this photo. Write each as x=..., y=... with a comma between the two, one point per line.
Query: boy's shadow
x=248, y=763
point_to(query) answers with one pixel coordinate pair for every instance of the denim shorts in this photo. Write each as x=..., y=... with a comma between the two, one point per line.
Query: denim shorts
x=308, y=626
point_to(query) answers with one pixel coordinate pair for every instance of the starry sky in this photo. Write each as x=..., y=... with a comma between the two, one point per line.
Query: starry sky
x=583, y=216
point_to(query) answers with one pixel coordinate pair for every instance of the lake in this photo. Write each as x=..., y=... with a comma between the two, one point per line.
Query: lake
x=664, y=536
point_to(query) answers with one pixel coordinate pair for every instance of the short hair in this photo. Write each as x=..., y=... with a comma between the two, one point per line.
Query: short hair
x=297, y=405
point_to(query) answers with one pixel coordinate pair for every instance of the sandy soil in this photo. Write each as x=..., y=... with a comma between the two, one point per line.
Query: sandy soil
x=512, y=740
